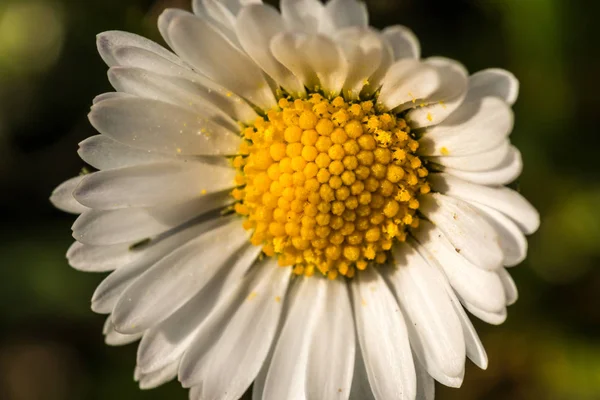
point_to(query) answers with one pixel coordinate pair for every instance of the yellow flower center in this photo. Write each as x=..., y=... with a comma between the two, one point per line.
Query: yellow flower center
x=328, y=186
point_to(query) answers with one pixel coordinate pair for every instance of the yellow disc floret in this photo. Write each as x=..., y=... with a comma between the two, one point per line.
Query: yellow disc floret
x=328, y=186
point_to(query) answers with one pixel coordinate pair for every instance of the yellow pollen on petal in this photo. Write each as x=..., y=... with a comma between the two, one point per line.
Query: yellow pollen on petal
x=327, y=186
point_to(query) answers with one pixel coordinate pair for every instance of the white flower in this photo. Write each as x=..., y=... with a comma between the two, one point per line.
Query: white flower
x=353, y=159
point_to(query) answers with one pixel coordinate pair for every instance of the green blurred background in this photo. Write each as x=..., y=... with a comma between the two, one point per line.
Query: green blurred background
x=51, y=346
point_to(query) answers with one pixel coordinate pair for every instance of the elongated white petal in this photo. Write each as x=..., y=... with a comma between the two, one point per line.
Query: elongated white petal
x=510, y=288
x=233, y=361
x=513, y=242
x=474, y=127
x=102, y=152
x=184, y=77
x=110, y=41
x=407, y=83
x=197, y=42
x=500, y=198
x=110, y=95
x=62, y=197
x=302, y=15
x=85, y=257
x=286, y=47
x=494, y=82
x=175, y=279
x=484, y=161
x=168, y=341
x=234, y=6
x=510, y=168
x=361, y=389
x=425, y=383
x=156, y=378
x=256, y=26
x=364, y=51
x=453, y=82
x=383, y=338
x=114, y=338
x=288, y=369
x=177, y=91
x=479, y=287
x=403, y=42
x=493, y=318
x=152, y=184
x=376, y=79
x=475, y=350
x=465, y=228
x=158, y=126
x=221, y=17
x=346, y=13
x=327, y=60
x=111, y=288
x=331, y=358
x=434, y=329
x=129, y=225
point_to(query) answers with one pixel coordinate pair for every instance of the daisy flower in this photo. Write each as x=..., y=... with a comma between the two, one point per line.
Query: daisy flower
x=297, y=201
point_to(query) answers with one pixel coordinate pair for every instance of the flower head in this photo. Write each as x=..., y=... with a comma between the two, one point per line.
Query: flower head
x=297, y=200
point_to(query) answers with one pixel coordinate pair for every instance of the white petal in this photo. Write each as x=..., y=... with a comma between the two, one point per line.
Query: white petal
x=510, y=289
x=158, y=126
x=110, y=95
x=114, y=338
x=288, y=369
x=510, y=168
x=425, y=383
x=88, y=258
x=197, y=42
x=475, y=127
x=152, y=184
x=111, y=288
x=486, y=160
x=156, y=378
x=221, y=17
x=361, y=390
x=403, y=41
x=174, y=280
x=164, y=21
x=331, y=358
x=168, y=341
x=513, y=242
x=376, y=79
x=345, y=13
x=101, y=152
x=188, y=81
x=465, y=227
x=383, y=338
x=287, y=48
x=434, y=329
x=109, y=42
x=177, y=91
x=63, y=199
x=233, y=6
x=406, y=83
x=453, y=78
x=500, y=198
x=228, y=368
x=256, y=26
x=302, y=15
x=475, y=350
x=327, y=60
x=129, y=225
x=477, y=286
x=495, y=82
x=494, y=318
x=364, y=52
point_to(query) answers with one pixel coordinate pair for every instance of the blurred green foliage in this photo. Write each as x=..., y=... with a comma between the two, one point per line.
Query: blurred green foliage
x=51, y=345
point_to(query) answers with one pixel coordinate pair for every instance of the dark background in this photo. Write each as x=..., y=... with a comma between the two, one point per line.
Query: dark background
x=51, y=346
